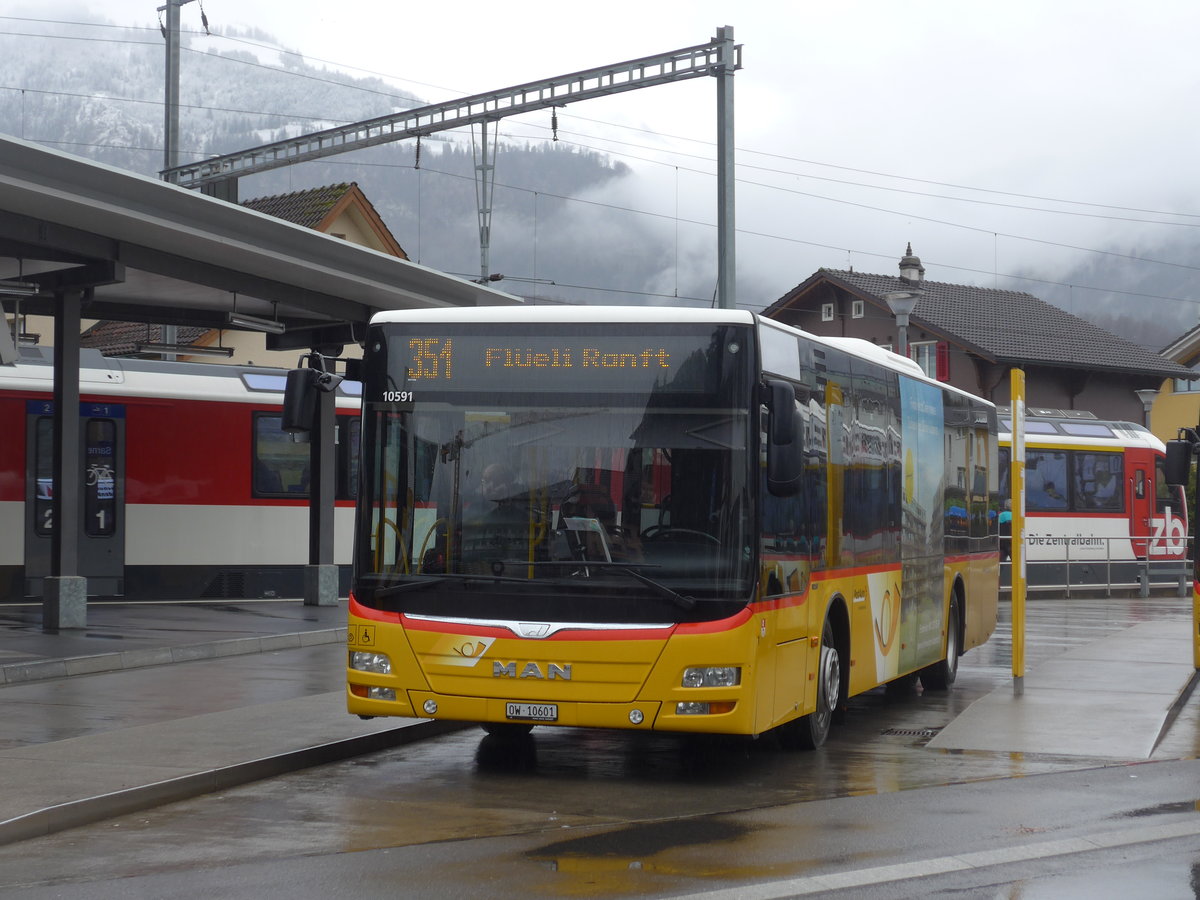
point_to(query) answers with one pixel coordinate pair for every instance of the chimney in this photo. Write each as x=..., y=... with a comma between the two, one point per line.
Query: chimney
x=911, y=270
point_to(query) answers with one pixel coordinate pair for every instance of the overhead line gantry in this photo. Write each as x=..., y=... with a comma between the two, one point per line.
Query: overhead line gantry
x=218, y=176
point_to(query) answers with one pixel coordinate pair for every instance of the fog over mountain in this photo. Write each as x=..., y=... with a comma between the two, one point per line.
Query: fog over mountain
x=560, y=228
x=565, y=225
x=1149, y=303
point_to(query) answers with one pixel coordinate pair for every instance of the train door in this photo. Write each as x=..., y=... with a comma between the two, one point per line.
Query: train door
x=1139, y=476
x=101, y=519
x=1168, y=522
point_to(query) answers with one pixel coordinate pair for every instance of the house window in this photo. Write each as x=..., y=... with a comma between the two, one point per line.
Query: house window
x=857, y=309
x=826, y=312
x=933, y=357
x=1187, y=385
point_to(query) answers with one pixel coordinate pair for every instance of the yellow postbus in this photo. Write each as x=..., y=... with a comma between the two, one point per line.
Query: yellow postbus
x=659, y=519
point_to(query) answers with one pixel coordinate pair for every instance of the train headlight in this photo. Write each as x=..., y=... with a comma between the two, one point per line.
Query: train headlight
x=712, y=676
x=368, y=661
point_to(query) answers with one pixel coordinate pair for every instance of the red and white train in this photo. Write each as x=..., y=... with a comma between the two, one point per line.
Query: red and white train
x=1096, y=499
x=189, y=487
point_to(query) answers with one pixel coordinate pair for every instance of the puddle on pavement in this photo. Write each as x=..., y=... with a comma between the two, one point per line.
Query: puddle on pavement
x=641, y=841
x=1162, y=809
x=621, y=861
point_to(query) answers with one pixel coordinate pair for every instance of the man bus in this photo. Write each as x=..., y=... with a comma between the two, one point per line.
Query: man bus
x=711, y=522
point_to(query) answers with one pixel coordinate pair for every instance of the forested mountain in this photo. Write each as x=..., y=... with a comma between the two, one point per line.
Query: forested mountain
x=102, y=98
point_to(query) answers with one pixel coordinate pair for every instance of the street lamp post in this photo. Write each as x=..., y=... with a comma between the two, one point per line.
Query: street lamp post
x=902, y=303
x=1146, y=395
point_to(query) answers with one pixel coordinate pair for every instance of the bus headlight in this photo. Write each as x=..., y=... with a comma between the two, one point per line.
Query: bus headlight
x=692, y=708
x=370, y=692
x=712, y=676
x=368, y=661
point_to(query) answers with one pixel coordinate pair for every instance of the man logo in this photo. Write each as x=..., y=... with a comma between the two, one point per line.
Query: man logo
x=532, y=670
x=533, y=629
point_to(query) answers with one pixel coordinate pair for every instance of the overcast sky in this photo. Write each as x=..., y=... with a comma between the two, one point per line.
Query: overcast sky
x=860, y=125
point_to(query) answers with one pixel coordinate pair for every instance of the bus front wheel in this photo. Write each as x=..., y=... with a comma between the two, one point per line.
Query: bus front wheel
x=810, y=732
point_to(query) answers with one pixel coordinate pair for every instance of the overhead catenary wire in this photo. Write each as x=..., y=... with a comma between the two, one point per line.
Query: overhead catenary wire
x=784, y=172
x=554, y=127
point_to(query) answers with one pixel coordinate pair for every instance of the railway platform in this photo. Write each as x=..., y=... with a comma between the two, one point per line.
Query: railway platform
x=134, y=711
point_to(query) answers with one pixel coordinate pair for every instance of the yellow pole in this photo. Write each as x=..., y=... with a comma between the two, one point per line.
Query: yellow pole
x=1017, y=481
x=1195, y=582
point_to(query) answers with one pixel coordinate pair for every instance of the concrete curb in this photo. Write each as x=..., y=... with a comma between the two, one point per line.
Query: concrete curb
x=1173, y=711
x=89, y=810
x=39, y=670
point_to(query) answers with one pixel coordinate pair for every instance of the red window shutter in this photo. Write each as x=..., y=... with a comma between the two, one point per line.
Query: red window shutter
x=943, y=361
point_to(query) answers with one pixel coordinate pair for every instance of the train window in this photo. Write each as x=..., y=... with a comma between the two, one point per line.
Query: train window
x=1166, y=496
x=1097, y=481
x=1046, y=485
x=43, y=511
x=100, y=482
x=280, y=464
x=1087, y=429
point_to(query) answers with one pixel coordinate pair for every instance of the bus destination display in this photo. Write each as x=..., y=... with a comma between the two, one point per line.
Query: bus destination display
x=434, y=358
x=548, y=363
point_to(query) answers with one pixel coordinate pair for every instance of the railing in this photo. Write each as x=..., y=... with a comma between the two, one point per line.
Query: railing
x=1085, y=570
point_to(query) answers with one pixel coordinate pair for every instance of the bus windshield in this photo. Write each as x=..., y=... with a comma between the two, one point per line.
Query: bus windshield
x=557, y=473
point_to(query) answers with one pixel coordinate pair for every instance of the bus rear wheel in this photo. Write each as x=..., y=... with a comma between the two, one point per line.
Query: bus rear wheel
x=942, y=673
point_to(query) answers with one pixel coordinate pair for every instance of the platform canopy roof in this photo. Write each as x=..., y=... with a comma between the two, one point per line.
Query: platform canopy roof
x=148, y=251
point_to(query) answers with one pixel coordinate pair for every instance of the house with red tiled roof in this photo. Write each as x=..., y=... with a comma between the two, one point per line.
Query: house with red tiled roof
x=339, y=210
x=973, y=337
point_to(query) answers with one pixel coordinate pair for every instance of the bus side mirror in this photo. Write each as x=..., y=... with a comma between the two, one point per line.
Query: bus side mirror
x=1178, y=463
x=300, y=393
x=785, y=447
x=300, y=401
x=783, y=413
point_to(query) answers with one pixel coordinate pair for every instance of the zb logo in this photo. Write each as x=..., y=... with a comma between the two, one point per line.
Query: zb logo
x=430, y=360
x=361, y=635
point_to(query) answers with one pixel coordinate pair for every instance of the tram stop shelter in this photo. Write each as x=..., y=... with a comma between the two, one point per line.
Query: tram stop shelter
x=79, y=238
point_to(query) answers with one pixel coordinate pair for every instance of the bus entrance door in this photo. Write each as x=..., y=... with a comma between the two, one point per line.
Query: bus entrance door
x=101, y=519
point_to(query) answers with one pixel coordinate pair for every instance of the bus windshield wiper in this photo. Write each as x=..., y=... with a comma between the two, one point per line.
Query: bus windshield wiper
x=408, y=586
x=430, y=580
x=681, y=600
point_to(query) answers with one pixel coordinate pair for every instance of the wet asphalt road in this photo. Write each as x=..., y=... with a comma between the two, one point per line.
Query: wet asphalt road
x=589, y=813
